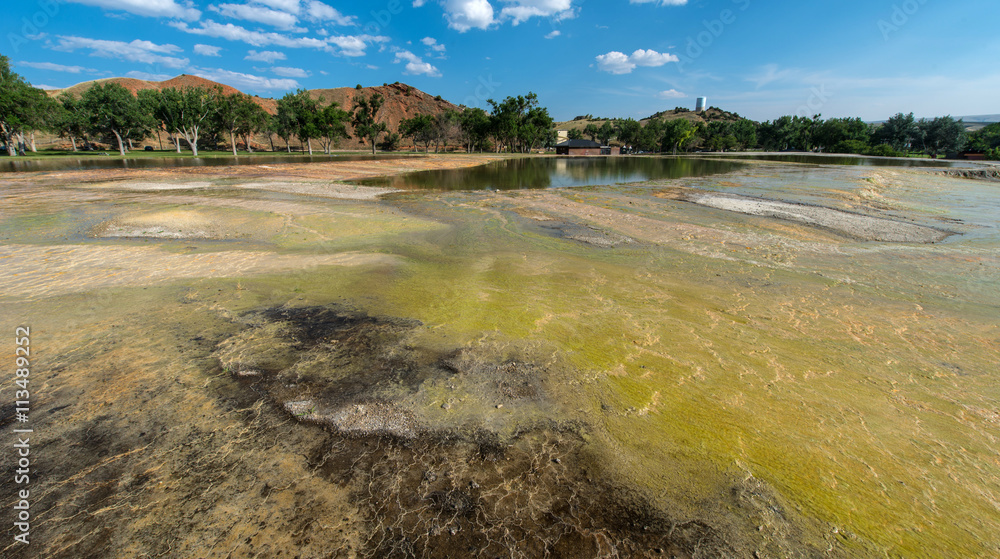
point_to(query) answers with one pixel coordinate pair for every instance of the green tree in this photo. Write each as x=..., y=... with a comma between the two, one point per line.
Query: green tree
x=591, y=130
x=606, y=132
x=300, y=113
x=284, y=122
x=332, y=124
x=190, y=111
x=447, y=128
x=899, y=132
x=420, y=129
x=255, y=121
x=237, y=116
x=23, y=108
x=474, y=125
x=367, y=125
x=534, y=128
x=112, y=110
x=842, y=132
x=575, y=134
x=677, y=134
x=745, y=132
x=390, y=142
x=519, y=123
x=985, y=139
x=71, y=122
x=941, y=135
x=628, y=131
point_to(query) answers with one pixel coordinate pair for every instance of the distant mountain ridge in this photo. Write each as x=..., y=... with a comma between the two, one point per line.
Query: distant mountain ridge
x=985, y=119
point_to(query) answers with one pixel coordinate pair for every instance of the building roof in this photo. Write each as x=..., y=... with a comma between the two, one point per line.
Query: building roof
x=578, y=144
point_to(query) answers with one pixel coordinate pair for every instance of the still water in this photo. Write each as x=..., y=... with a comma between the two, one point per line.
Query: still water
x=553, y=172
x=837, y=159
x=15, y=164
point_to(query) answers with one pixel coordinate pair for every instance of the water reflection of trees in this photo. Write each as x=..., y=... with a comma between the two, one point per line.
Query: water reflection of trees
x=531, y=173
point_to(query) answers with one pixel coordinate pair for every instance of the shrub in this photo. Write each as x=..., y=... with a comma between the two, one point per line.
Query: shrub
x=391, y=142
x=993, y=154
x=884, y=150
x=358, y=87
x=851, y=146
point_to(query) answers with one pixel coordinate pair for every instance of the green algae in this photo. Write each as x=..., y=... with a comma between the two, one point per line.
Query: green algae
x=855, y=380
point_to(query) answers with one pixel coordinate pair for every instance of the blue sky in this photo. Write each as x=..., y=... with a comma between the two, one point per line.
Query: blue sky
x=612, y=58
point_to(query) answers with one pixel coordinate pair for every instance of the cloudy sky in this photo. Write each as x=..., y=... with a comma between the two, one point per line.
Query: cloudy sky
x=614, y=58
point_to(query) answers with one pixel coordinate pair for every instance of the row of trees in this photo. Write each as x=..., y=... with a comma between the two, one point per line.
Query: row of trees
x=516, y=124
x=898, y=136
x=109, y=113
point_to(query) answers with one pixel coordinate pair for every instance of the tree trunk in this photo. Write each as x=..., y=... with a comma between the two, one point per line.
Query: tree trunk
x=121, y=143
x=309, y=143
x=192, y=140
x=9, y=140
x=31, y=143
x=177, y=144
x=373, y=146
x=130, y=146
x=232, y=140
x=159, y=140
x=270, y=138
x=73, y=141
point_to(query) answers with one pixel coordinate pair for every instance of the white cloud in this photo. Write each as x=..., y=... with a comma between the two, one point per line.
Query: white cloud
x=770, y=73
x=56, y=67
x=463, y=15
x=434, y=48
x=290, y=72
x=149, y=8
x=671, y=94
x=290, y=6
x=349, y=45
x=319, y=11
x=660, y=2
x=146, y=76
x=616, y=62
x=268, y=56
x=136, y=51
x=554, y=34
x=522, y=10
x=207, y=50
x=415, y=65
x=651, y=58
x=233, y=32
x=418, y=3
x=245, y=81
x=45, y=86
x=259, y=14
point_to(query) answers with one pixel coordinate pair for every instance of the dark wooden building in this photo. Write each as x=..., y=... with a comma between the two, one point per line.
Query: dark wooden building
x=585, y=147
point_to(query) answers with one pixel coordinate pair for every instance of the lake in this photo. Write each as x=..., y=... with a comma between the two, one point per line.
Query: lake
x=554, y=172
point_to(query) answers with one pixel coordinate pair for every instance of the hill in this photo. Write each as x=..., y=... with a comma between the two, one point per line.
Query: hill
x=709, y=115
x=401, y=101
x=134, y=85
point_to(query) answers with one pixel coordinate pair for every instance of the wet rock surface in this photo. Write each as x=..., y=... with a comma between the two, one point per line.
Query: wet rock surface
x=440, y=489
